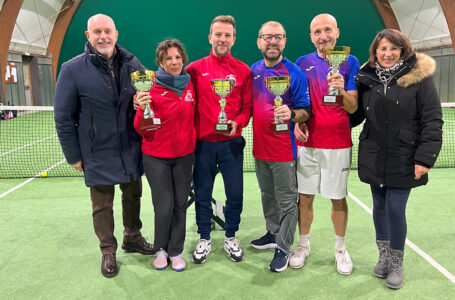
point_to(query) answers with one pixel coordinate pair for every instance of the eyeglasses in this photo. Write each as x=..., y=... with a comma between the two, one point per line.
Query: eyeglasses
x=269, y=37
x=391, y=49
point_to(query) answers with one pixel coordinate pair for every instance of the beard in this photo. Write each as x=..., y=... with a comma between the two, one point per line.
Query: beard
x=219, y=52
x=105, y=51
x=272, y=56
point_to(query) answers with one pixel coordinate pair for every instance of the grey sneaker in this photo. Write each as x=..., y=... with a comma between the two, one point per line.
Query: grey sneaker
x=382, y=267
x=395, y=276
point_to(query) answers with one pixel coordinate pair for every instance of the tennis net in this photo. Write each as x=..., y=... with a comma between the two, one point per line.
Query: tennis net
x=29, y=146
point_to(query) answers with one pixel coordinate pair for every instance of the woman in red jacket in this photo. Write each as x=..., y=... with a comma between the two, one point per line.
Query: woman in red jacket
x=168, y=152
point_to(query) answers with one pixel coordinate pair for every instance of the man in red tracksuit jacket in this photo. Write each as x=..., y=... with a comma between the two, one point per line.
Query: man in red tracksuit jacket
x=215, y=150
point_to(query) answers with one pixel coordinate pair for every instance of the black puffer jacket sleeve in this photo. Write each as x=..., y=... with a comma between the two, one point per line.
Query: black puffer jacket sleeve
x=431, y=122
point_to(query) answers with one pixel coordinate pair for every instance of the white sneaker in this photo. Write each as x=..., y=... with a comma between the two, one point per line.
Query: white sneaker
x=202, y=250
x=231, y=245
x=343, y=262
x=298, y=256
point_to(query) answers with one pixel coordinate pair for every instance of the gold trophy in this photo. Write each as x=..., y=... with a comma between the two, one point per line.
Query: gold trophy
x=222, y=88
x=144, y=80
x=335, y=57
x=278, y=85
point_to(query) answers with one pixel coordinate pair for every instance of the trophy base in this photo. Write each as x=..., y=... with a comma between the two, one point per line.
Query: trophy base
x=332, y=100
x=149, y=124
x=223, y=128
x=281, y=128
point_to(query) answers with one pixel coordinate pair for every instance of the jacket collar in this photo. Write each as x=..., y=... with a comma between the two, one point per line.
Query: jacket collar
x=97, y=59
x=220, y=59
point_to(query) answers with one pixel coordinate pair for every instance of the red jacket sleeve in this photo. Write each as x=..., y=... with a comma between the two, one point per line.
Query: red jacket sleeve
x=245, y=114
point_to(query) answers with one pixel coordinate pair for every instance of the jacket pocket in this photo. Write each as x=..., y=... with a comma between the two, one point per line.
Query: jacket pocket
x=408, y=137
x=364, y=134
x=91, y=132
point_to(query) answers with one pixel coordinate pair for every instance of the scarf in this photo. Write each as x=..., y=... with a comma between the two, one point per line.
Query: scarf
x=176, y=83
x=386, y=74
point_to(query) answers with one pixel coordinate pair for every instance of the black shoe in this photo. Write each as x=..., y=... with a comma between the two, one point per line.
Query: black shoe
x=264, y=242
x=141, y=246
x=109, y=265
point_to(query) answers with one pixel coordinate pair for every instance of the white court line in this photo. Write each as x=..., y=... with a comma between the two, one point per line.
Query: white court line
x=413, y=246
x=35, y=142
x=446, y=131
x=30, y=179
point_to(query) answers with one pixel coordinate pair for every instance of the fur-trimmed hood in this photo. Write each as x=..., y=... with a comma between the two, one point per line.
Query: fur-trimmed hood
x=425, y=66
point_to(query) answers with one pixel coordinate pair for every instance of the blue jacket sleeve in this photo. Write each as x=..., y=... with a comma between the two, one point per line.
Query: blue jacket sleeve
x=299, y=89
x=66, y=105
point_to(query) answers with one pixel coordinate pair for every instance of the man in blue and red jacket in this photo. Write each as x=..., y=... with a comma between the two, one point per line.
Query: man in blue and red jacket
x=215, y=150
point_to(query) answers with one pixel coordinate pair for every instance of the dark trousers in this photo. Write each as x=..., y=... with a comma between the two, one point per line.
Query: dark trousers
x=389, y=215
x=170, y=182
x=228, y=157
x=103, y=213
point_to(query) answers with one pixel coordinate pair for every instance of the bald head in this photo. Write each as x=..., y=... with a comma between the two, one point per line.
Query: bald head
x=326, y=18
x=324, y=32
x=271, y=24
x=101, y=34
x=99, y=18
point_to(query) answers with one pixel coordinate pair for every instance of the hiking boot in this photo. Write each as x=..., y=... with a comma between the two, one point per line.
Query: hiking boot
x=343, y=262
x=202, y=250
x=109, y=265
x=395, y=273
x=382, y=267
x=160, y=262
x=232, y=247
x=280, y=261
x=265, y=242
x=297, y=259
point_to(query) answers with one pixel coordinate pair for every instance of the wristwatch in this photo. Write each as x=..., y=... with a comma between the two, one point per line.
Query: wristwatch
x=292, y=114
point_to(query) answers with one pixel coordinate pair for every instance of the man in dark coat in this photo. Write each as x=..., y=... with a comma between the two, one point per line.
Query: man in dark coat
x=94, y=120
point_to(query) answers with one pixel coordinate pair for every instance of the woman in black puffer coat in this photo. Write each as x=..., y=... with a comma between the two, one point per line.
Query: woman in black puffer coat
x=400, y=140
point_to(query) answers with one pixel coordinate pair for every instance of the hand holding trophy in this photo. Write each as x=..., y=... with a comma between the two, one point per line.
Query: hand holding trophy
x=144, y=80
x=222, y=88
x=335, y=57
x=278, y=85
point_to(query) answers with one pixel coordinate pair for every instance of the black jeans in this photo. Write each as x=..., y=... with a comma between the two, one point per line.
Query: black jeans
x=170, y=182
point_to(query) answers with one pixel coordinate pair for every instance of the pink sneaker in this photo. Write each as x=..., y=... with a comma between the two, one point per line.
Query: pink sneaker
x=160, y=262
x=178, y=264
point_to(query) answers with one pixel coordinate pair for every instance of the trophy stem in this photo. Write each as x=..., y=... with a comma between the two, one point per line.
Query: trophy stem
x=148, y=112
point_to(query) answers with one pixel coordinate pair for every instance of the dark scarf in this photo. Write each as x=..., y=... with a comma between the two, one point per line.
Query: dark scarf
x=176, y=83
x=386, y=74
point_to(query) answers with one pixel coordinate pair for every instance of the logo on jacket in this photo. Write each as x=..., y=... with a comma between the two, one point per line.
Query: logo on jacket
x=189, y=96
x=309, y=69
x=231, y=76
x=256, y=77
x=164, y=93
x=205, y=74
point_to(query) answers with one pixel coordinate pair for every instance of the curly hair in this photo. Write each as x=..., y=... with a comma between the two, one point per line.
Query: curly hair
x=162, y=48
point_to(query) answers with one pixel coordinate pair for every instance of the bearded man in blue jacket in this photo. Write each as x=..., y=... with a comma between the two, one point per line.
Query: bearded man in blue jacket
x=94, y=119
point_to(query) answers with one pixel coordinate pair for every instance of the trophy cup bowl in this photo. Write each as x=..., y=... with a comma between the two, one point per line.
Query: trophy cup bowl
x=222, y=88
x=278, y=85
x=144, y=80
x=335, y=57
